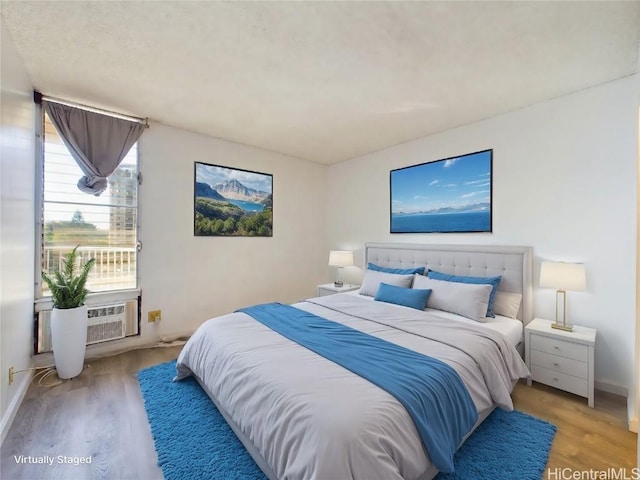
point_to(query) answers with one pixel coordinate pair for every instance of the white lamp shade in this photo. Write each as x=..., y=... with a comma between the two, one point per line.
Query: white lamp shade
x=340, y=258
x=563, y=276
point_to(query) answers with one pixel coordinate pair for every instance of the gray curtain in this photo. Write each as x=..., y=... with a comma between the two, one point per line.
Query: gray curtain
x=97, y=142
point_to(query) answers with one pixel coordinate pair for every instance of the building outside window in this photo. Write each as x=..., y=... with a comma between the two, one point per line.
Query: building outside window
x=104, y=226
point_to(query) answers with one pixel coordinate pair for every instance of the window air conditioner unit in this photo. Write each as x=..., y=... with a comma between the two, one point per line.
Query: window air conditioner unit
x=106, y=323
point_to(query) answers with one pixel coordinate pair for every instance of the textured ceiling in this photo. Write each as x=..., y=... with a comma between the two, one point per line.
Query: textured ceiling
x=324, y=81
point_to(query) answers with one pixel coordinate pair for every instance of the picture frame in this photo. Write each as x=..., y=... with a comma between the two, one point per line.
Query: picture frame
x=450, y=195
x=231, y=202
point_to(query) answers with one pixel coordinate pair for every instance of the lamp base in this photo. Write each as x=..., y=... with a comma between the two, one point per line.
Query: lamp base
x=338, y=284
x=559, y=326
x=561, y=312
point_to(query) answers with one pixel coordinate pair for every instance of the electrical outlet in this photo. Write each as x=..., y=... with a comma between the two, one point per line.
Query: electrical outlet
x=12, y=372
x=154, y=316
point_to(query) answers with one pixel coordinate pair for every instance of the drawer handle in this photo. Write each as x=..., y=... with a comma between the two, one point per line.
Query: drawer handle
x=556, y=364
x=556, y=347
x=556, y=379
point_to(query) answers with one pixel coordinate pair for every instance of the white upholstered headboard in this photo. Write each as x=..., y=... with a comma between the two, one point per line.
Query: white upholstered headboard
x=513, y=263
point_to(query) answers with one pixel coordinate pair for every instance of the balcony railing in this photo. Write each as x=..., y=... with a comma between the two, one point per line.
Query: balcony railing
x=115, y=267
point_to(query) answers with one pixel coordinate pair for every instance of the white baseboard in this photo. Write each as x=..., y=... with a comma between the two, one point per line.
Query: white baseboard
x=182, y=335
x=621, y=391
x=102, y=349
x=12, y=410
x=115, y=347
x=106, y=349
x=614, y=388
x=633, y=424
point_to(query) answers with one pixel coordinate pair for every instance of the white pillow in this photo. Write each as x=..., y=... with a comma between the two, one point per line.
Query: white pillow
x=373, y=279
x=466, y=299
x=507, y=304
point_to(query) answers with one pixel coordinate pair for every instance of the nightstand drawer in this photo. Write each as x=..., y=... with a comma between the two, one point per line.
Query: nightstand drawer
x=560, y=347
x=560, y=364
x=559, y=380
x=561, y=359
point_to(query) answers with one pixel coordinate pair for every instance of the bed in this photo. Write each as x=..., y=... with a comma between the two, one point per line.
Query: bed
x=303, y=416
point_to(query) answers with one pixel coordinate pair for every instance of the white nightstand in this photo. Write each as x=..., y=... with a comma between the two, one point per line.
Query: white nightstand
x=561, y=359
x=331, y=289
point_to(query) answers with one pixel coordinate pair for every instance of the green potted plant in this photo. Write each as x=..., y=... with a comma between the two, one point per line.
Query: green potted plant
x=69, y=314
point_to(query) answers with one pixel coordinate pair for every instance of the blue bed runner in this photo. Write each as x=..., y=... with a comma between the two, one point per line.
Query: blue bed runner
x=432, y=392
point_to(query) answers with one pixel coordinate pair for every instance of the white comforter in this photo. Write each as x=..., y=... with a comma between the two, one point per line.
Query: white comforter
x=312, y=419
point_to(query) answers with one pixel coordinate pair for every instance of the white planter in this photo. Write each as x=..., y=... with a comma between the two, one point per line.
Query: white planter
x=69, y=340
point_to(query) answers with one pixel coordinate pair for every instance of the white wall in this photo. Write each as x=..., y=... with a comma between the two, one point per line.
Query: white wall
x=17, y=173
x=194, y=278
x=564, y=182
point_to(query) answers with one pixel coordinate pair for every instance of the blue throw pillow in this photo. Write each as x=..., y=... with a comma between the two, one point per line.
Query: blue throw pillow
x=493, y=281
x=409, y=297
x=397, y=271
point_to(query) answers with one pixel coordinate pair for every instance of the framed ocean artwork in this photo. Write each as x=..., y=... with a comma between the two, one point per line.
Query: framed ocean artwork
x=231, y=202
x=452, y=195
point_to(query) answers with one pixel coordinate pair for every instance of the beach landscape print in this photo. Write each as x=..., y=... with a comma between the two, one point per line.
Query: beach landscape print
x=452, y=195
x=232, y=202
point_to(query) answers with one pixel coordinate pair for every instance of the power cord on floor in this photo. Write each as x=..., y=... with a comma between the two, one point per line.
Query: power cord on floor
x=44, y=373
x=40, y=377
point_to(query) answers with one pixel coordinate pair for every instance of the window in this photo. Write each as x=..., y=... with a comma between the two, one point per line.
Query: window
x=104, y=226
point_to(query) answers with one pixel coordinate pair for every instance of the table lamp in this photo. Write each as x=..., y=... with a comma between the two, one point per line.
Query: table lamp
x=563, y=276
x=340, y=259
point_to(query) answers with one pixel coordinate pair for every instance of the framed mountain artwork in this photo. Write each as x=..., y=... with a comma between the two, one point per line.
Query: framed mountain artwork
x=231, y=202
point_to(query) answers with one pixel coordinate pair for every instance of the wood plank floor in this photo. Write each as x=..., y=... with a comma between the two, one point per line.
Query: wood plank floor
x=100, y=414
x=587, y=438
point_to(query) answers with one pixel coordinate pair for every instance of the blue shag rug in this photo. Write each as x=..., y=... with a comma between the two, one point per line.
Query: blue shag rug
x=194, y=442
